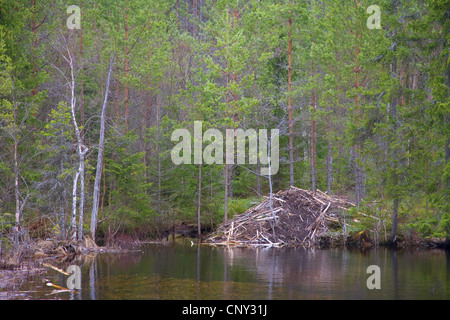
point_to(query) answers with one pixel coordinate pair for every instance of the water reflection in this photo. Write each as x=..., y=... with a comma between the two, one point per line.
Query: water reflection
x=395, y=275
x=198, y=272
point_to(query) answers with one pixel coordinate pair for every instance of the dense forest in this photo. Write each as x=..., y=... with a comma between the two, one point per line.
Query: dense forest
x=91, y=92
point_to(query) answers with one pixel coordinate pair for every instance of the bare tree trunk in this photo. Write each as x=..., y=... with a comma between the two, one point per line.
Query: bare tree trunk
x=117, y=94
x=15, y=136
x=227, y=179
x=396, y=200
x=81, y=209
x=125, y=89
x=393, y=236
x=159, y=182
x=100, y=155
x=33, y=51
x=291, y=133
x=258, y=179
x=356, y=148
x=227, y=166
x=16, y=178
x=81, y=83
x=357, y=172
x=339, y=160
x=313, y=142
x=73, y=220
x=199, y=199
x=158, y=121
x=329, y=158
x=81, y=151
x=146, y=115
x=363, y=178
x=195, y=13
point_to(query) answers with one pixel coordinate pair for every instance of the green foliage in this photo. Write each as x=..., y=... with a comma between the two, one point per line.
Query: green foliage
x=226, y=63
x=53, y=180
x=423, y=227
x=238, y=206
x=126, y=172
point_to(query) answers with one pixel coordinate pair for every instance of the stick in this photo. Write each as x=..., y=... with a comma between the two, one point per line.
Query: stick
x=266, y=239
x=279, y=199
x=319, y=200
x=56, y=269
x=319, y=217
x=267, y=218
x=323, y=194
x=326, y=208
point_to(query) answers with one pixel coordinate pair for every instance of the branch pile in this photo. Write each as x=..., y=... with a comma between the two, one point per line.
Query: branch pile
x=296, y=217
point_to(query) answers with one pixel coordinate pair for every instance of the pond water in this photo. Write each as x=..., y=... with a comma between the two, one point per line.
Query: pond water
x=175, y=272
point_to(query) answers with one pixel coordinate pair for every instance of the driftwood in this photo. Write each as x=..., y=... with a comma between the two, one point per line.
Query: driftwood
x=56, y=269
x=299, y=217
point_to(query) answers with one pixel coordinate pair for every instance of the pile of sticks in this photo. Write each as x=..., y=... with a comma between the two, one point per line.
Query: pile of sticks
x=290, y=217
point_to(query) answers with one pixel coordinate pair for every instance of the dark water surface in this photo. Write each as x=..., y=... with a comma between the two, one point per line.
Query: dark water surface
x=185, y=272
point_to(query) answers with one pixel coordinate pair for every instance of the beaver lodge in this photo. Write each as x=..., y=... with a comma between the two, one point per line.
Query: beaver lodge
x=290, y=217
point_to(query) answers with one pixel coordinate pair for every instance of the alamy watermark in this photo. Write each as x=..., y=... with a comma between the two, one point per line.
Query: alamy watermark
x=259, y=146
x=374, y=21
x=74, y=20
x=374, y=280
x=74, y=281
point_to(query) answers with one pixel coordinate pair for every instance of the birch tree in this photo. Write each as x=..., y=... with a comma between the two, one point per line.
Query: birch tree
x=69, y=58
x=101, y=145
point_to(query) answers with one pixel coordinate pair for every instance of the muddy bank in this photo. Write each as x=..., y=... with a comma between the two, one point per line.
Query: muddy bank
x=38, y=258
x=57, y=249
x=12, y=280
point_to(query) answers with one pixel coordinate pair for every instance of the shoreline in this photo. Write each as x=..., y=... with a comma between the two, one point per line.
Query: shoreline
x=41, y=250
x=40, y=257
